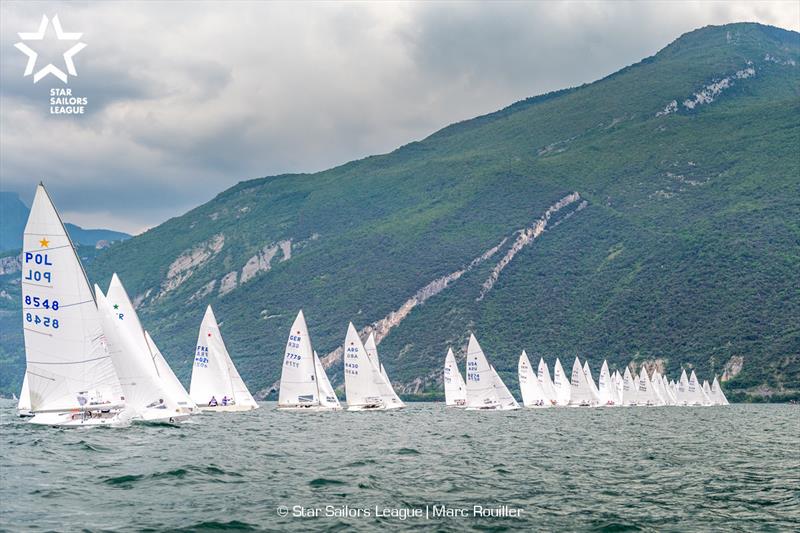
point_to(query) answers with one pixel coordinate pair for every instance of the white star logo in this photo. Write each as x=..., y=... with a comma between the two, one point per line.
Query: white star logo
x=50, y=68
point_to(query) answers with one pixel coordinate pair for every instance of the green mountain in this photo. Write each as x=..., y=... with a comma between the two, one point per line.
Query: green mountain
x=652, y=217
x=14, y=214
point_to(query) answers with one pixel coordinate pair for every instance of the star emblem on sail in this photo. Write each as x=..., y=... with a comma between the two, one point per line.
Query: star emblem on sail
x=33, y=56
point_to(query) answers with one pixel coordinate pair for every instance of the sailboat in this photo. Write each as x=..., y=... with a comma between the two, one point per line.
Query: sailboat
x=71, y=379
x=707, y=393
x=391, y=399
x=694, y=391
x=581, y=394
x=647, y=393
x=606, y=388
x=363, y=382
x=24, y=403
x=145, y=397
x=531, y=390
x=327, y=396
x=455, y=390
x=590, y=379
x=484, y=387
x=630, y=389
x=216, y=384
x=561, y=384
x=507, y=400
x=546, y=383
x=717, y=396
x=142, y=364
x=301, y=382
x=170, y=380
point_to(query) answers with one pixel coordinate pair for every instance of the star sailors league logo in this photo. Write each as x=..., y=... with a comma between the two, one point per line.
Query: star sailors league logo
x=30, y=37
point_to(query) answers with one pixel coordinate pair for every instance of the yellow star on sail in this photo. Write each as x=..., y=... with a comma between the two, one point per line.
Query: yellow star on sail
x=44, y=243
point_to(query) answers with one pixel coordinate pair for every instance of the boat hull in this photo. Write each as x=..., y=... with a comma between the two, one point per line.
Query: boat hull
x=309, y=408
x=80, y=419
x=227, y=408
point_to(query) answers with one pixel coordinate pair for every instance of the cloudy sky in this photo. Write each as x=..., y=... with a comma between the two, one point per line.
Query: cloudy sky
x=186, y=99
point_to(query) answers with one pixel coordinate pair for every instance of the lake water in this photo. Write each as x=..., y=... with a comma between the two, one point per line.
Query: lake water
x=653, y=469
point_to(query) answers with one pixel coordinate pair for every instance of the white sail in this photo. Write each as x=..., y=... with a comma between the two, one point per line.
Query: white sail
x=531, y=390
x=707, y=393
x=327, y=395
x=299, y=386
x=606, y=388
x=561, y=384
x=630, y=389
x=455, y=390
x=216, y=384
x=390, y=398
x=659, y=390
x=362, y=379
x=145, y=396
x=581, y=393
x=68, y=367
x=507, y=400
x=647, y=394
x=590, y=380
x=481, y=390
x=682, y=389
x=695, y=391
x=716, y=393
x=128, y=340
x=171, y=381
x=24, y=403
x=546, y=383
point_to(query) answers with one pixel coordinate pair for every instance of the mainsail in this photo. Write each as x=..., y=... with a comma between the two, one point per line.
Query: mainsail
x=507, y=401
x=561, y=384
x=716, y=393
x=171, y=381
x=694, y=392
x=390, y=398
x=581, y=393
x=216, y=384
x=532, y=393
x=68, y=367
x=299, y=385
x=546, y=383
x=481, y=390
x=362, y=379
x=327, y=396
x=606, y=388
x=455, y=390
x=590, y=379
x=630, y=389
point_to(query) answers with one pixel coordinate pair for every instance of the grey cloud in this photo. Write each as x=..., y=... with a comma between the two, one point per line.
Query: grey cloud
x=188, y=98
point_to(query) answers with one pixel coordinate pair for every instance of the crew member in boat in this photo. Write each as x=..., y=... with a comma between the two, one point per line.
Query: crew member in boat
x=225, y=400
x=212, y=402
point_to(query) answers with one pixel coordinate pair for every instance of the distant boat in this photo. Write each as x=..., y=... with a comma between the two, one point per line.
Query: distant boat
x=24, y=403
x=606, y=388
x=302, y=384
x=391, y=399
x=150, y=369
x=695, y=391
x=717, y=396
x=529, y=386
x=71, y=378
x=455, y=390
x=581, y=393
x=546, y=383
x=216, y=384
x=327, y=395
x=363, y=382
x=590, y=379
x=707, y=393
x=561, y=384
x=630, y=389
x=485, y=389
x=647, y=393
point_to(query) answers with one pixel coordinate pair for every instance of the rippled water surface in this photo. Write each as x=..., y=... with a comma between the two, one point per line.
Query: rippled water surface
x=652, y=469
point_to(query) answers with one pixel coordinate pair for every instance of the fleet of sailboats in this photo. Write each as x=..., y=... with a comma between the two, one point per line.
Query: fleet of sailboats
x=90, y=362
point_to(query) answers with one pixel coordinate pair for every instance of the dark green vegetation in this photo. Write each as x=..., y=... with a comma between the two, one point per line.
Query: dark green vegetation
x=14, y=213
x=688, y=250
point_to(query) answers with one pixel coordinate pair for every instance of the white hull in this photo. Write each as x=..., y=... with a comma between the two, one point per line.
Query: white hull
x=307, y=408
x=227, y=408
x=80, y=419
x=373, y=407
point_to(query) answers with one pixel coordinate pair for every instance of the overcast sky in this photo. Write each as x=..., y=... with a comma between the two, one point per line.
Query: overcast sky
x=186, y=99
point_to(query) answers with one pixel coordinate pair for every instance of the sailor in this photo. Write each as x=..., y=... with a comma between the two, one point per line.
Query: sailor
x=213, y=402
x=225, y=400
